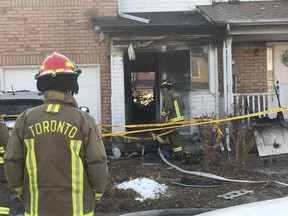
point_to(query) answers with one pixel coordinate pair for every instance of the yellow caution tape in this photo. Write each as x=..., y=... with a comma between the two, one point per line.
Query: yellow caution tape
x=181, y=124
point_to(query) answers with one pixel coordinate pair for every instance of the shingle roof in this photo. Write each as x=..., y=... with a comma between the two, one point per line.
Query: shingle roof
x=243, y=12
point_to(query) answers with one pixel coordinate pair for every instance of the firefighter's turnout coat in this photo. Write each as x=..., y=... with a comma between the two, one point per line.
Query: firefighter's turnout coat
x=4, y=187
x=173, y=106
x=55, y=159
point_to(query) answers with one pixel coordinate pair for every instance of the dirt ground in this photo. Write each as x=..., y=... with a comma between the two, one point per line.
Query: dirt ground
x=118, y=201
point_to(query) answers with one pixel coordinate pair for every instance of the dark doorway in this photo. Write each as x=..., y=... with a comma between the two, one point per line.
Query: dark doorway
x=142, y=79
x=141, y=76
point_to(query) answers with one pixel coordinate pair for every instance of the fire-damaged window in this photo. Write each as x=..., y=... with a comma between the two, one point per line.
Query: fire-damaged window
x=199, y=68
x=195, y=69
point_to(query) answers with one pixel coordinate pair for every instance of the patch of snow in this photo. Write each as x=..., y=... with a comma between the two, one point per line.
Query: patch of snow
x=146, y=188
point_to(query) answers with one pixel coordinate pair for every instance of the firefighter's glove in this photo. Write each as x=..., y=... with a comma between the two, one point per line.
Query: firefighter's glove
x=18, y=192
x=98, y=197
x=19, y=197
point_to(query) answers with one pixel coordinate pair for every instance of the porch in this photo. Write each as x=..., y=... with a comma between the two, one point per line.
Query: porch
x=248, y=103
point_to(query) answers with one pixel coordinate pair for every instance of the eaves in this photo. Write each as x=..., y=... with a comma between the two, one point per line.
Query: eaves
x=156, y=22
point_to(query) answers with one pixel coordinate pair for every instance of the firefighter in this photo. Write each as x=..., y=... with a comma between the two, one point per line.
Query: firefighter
x=4, y=187
x=172, y=111
x=55, y=159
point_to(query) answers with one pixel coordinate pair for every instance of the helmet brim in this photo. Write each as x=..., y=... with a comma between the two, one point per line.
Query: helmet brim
x=44, y=75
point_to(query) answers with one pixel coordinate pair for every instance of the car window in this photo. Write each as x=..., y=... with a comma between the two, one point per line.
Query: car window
x=15, y=107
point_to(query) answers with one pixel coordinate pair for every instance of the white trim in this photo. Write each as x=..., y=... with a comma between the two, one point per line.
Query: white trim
x=276, y=43
x=117, y=91
x=224, y=77
x=211, y=68
x=241, y=30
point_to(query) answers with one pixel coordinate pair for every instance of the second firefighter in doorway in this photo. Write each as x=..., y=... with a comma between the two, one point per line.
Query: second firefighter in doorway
x=172, y=111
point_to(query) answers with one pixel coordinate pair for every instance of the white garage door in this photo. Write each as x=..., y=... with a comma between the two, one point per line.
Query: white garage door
x=89, y=81
x=19, y=77
x=89, y=90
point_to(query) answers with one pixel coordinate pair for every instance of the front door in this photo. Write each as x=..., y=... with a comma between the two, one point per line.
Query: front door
x=281, y=73
x=140, y=93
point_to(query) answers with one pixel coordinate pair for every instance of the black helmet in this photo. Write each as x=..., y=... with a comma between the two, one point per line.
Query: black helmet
x=167, y=84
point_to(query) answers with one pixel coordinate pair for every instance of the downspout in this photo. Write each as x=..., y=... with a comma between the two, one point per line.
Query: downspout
x=216, y=82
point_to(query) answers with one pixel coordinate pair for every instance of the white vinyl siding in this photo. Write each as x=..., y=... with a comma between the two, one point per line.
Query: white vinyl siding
x=129, y=6
x=126, y=6
x=118, y=92
x=202, y=104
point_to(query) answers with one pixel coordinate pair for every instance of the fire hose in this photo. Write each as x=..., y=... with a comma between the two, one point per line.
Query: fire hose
x=213, y=176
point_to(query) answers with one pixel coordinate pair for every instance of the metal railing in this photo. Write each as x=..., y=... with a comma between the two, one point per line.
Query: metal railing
x=245, y=103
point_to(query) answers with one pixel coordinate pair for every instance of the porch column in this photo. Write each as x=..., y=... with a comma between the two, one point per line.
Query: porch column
x=228, y=84
x=229, y=78
x=213, y=73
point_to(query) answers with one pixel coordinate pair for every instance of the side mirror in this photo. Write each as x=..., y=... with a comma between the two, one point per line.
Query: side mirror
x=85, y=109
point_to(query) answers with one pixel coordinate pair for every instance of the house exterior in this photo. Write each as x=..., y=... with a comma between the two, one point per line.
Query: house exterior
x=234, y=50
x=214, y=51
x=163, y=43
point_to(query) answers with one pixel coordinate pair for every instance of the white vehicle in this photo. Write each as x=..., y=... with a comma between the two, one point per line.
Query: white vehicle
x=13, y=103
x=277, y=207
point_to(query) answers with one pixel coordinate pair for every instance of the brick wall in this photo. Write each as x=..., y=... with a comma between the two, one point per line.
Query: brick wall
x=251, y=63
x=33, y=29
